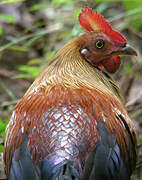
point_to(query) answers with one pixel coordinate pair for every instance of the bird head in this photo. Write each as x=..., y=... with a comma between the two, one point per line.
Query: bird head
x=103, y=45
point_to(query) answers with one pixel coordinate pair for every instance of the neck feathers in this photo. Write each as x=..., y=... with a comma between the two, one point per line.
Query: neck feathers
x=69, y=69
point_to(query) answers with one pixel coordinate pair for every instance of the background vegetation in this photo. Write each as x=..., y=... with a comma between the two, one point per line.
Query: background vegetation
x=31, y=31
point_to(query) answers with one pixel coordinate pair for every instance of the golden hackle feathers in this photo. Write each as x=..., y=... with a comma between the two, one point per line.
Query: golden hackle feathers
x=69, y=69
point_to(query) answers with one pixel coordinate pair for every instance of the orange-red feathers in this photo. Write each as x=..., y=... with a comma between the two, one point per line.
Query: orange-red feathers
x=93, y=21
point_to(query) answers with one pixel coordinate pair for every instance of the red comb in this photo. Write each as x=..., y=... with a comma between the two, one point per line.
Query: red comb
x=93, y=21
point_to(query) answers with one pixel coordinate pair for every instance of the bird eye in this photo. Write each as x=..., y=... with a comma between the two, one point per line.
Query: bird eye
x=99, y=44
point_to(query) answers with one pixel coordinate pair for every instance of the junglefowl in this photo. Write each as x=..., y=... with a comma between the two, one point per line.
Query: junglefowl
x=72, y=123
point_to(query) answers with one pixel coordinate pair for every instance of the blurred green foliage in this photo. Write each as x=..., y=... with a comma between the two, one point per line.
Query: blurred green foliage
x=2, y=132
x=136, y=7
x=9, y=1
x=29, y=70
x=7, y=18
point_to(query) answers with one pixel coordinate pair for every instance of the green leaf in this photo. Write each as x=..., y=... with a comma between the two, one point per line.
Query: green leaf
x=23, y=76
x=77, y=28
x=77, y=12
x=30, y=71
x=38, y=6
x=1, y=148
x=65, y=2
x=10, y=1
x=3, y=127
x=1, y=31
x=7, y=18
x=34, y=61
x=18, y=48
x=98, y=1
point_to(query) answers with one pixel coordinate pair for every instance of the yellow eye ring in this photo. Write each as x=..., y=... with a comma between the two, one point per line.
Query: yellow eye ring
x=99, y=44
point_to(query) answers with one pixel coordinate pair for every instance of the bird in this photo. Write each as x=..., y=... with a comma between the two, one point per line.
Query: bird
x=72, y=123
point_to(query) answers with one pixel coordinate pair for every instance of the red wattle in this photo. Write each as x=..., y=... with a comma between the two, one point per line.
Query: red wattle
x=112, y=65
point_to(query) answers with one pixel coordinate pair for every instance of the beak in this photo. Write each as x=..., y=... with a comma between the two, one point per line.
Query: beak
x=127, y=50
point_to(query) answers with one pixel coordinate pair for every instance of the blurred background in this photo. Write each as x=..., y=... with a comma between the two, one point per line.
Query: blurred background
x=31, y=31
